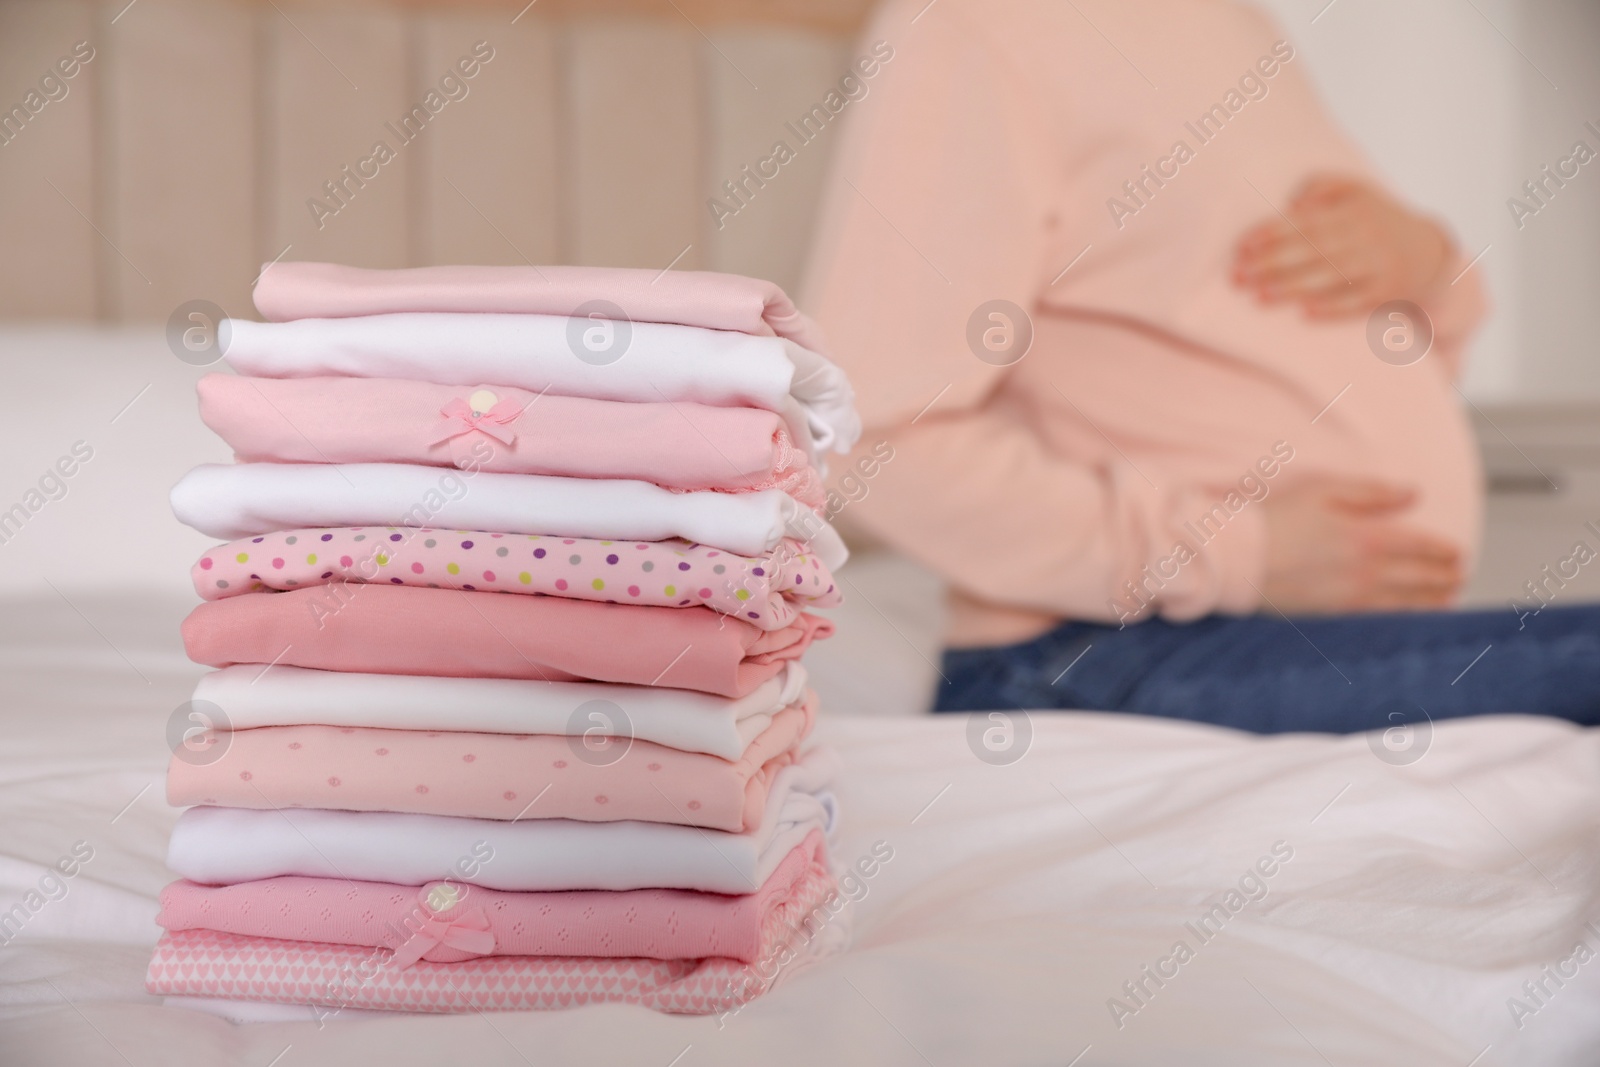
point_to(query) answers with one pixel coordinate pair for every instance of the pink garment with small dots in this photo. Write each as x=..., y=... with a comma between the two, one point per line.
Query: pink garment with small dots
x=489, y=776
x=662, y=924
x=384, y=420
x=767, y=591
x=204, y=963
x=396, y=629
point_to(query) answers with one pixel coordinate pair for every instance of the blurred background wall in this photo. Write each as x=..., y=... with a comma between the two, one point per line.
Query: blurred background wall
x=184, y=153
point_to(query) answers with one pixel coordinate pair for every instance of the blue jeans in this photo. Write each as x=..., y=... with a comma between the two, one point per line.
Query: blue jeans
x=1335, y=674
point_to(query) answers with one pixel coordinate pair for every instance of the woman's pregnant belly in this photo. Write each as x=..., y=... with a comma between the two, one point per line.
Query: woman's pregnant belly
x=1189, y=414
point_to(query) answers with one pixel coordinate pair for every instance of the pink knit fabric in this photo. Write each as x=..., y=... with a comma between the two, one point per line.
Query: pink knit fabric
x=661, y=924
x=377, y=420
x=391, y=629
x=690, y=298
x=488, y=776
x=767, y=591
x=202, y=963
x=1153, y=385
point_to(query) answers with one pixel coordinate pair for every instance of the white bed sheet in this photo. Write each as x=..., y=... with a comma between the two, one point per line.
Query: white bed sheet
x=1018, y=901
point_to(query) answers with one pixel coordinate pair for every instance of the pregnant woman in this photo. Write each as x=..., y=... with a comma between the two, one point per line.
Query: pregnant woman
x=1168, y=379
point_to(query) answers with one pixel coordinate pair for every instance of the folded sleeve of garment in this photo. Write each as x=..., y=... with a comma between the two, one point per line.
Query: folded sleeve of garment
x=768, y=591
x=230, y=501
x=220, y=846
x=391, y=629
x=382, y=420
x=602, y=778
x=905, y=302
x=659, y=924
x=965, y=472
x=246, y=696
x=1107, y=524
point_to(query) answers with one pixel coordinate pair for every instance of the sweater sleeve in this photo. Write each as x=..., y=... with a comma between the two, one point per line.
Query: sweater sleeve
x=936, y=204
x=939, y=204
x=975, y=496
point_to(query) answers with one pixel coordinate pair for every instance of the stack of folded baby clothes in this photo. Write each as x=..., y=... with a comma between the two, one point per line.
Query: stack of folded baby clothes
x=508, y=711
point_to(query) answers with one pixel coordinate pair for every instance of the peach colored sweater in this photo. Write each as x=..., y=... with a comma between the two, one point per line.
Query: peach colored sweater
x=1029, y=151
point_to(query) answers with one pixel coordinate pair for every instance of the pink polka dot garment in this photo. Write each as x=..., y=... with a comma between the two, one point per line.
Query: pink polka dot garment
x=769, y=592
x=204, y=963
x=489, y=776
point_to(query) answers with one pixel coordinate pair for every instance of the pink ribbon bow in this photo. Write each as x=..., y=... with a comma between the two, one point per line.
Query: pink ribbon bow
x=468, y=932
x=458, y=418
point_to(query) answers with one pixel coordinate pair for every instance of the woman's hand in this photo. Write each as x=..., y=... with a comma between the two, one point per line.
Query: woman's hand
x=1337, y=545
x=1346, y=248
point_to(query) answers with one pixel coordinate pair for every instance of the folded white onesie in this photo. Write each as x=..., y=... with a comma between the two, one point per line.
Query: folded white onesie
x=247, y=499
x=250, y=695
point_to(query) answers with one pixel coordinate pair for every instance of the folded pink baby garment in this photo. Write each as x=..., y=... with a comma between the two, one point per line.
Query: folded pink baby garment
x=392, y=629
x=298, y=290
x=204, y=963
x=449, y=921
x=505, y=430
x=233, y=500
x=678, y=718
x=488, y=776
x=768, y=591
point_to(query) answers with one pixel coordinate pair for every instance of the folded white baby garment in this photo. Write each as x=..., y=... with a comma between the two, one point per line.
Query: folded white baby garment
x=221, y=846
x=250, y=695
x=246, y=499
x=596, y=358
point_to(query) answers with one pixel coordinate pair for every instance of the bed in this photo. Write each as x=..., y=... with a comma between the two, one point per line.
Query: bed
x=1429, y=899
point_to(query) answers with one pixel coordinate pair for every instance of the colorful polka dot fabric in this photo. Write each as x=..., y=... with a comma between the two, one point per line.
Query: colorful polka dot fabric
x=768, y=592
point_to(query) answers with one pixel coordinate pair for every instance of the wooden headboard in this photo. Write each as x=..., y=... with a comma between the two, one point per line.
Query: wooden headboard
x=196, y=141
